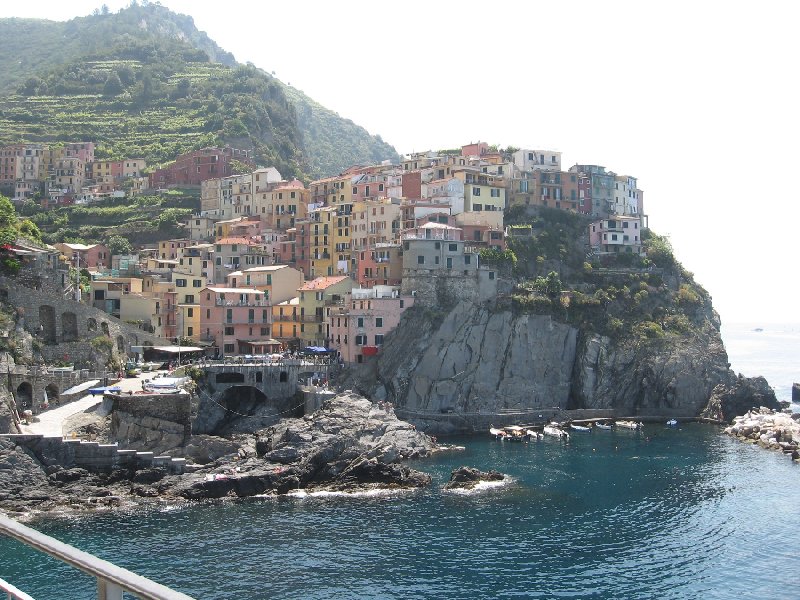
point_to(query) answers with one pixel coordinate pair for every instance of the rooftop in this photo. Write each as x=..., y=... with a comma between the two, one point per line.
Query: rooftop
x=321, y=283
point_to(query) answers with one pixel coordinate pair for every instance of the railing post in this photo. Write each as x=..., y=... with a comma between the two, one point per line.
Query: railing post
x=107, y=590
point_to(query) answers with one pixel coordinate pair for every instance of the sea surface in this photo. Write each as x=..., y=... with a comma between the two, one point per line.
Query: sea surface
x=765, y=349
x=664, y=513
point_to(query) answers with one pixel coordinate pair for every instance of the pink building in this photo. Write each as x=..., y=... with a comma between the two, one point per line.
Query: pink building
x=96, y=256
x=237, y=320
x=358, y=328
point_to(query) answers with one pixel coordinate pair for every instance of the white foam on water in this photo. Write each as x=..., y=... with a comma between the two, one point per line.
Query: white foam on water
x=481, y=487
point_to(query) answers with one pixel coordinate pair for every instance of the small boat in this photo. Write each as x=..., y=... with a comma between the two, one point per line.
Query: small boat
x=555, y=432
x=629, y=424
x=534, y=435
x=515, y=433
x=498, y=434
x=99, y=391
x=603, y=426
x=580, y=428
x=672, y=423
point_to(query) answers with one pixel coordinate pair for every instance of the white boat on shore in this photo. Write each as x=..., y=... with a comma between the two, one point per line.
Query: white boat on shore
x=498, y=434
x=582, y=428
x=629, y=424
x=554, y=431
x=534, y=435
x=604, y=426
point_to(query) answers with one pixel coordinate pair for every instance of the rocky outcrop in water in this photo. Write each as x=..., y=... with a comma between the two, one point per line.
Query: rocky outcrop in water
x=776, y=431
x=467, y=478
x=480, y=359
x=738, y=397
x=349, y=445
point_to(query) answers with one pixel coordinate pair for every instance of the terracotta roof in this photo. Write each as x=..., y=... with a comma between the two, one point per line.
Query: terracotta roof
x=236, y=240
x=321, y=283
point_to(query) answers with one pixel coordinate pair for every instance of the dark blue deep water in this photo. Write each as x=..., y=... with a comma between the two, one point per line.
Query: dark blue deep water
x=685, y=513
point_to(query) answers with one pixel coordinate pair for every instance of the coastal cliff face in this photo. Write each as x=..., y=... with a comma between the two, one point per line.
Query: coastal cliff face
x=481, y=359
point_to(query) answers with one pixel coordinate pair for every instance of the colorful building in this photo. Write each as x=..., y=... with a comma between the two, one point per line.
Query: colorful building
x=358, y=327
x=316, y=299
x=236, y=320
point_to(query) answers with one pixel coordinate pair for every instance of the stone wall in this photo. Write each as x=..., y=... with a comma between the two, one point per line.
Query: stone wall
x=64, y=326
x=157, y=422
x=446, y=288
x=92, y=456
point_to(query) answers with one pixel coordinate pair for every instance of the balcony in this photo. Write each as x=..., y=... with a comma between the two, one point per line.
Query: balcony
x=234, y=303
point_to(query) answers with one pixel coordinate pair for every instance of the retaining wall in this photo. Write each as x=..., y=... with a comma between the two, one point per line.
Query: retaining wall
x=92, y=456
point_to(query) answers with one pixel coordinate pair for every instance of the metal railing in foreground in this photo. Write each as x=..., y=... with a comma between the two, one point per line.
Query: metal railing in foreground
x=112, y=580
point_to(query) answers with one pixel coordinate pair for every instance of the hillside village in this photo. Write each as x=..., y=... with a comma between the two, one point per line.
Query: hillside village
x=268, y=263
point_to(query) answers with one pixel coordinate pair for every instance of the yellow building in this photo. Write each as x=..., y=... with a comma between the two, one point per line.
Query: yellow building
x=278, y=282
x=286, y=320
x=316, y=299
x=322, y=244
x=482, y=192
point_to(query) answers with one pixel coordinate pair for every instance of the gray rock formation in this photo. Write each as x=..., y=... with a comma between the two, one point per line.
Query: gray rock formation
x=466, y=478
x=7, y=424
x=348, y=445
x=482, y=360
x=738, y=397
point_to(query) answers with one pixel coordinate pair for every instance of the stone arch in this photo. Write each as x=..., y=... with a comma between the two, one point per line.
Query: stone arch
x=47, y=322
x=24, y=395
x=120, y=343
x=104, y=327
x=284, y=377
x=91, y=324
x=259, y=377
x=53, y=392
x=69, y=327
x=242, y=400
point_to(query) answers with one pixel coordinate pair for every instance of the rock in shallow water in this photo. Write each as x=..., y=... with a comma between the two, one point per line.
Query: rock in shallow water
x=469, y=477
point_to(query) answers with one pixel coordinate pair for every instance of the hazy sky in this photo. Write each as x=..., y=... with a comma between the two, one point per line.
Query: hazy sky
x=696, y=99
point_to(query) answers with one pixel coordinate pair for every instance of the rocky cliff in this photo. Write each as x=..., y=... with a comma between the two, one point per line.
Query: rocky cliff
x=482, y=359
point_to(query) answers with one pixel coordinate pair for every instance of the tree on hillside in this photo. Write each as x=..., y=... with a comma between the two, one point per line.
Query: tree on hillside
x=119, y=245
x=113, y=85
x=8, y=216
x=28, y=229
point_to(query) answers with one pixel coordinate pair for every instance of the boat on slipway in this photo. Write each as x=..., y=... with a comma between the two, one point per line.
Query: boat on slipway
x=514, y=433
x=555, y=431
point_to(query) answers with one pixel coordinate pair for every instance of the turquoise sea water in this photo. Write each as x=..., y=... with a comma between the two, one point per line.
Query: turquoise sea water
x=665, y=513
x=686, y=513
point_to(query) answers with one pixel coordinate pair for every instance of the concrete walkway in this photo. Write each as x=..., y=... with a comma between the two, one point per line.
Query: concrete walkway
x=51, y=422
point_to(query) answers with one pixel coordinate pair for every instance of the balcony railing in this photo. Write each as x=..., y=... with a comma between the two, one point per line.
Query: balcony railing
x=112, y=580
x=233, y=303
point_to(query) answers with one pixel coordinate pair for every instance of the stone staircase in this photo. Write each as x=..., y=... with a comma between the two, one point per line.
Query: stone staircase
x=93, y=456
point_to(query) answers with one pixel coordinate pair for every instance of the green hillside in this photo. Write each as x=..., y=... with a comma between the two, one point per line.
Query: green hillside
x=144, y=82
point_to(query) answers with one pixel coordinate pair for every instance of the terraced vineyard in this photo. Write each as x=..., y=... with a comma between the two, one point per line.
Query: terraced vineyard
x=145, y=83
x=117, y=124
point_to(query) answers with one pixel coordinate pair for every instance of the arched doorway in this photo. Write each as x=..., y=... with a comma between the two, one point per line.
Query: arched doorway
x=120, y=343
x=52, y=393
x=24, y=396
